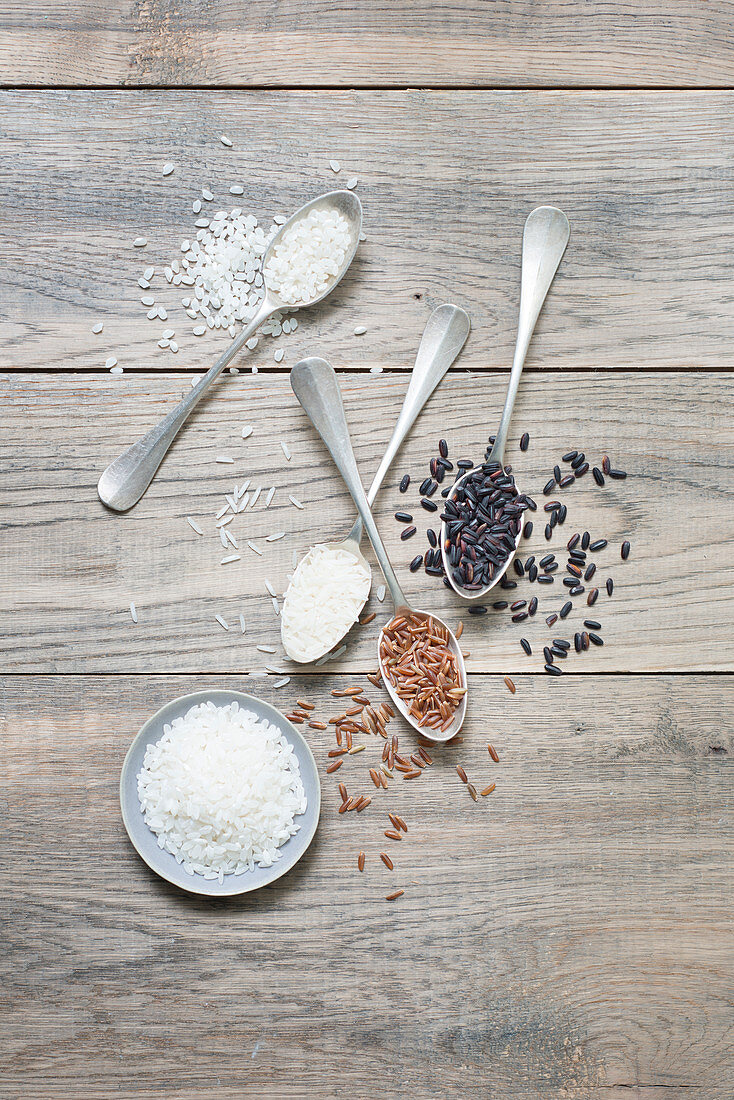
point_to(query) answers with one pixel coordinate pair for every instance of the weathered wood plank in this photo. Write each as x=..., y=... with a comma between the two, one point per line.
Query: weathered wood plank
x=467, y=42
x=447, y=180
x=69, y=568
x=569, y=936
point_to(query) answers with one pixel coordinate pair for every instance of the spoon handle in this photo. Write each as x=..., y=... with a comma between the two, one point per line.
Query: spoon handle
x=544, y=241
x=316, y=386
x=125, y=480
x=443, y=338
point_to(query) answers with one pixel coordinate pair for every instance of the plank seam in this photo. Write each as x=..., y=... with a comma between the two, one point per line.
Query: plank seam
x=474, y=87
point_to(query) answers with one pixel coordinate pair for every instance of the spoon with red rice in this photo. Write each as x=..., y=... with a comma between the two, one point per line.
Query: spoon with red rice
x=420, y=659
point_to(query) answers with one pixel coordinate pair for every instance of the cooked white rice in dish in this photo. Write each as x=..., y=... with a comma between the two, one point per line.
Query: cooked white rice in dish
x=221, y=790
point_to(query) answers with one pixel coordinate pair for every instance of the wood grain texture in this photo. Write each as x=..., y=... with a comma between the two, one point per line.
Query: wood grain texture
x=289, y=42
x=447, y=180
x=570, y=936
x=69, y=568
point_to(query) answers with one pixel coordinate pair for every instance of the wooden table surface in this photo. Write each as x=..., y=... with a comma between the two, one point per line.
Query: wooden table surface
x=570, y=935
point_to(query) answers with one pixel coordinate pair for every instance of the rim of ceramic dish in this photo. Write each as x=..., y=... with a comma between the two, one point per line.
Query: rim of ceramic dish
x=280, y=719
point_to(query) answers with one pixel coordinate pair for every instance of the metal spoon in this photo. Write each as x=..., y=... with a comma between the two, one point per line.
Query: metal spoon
x=544, y=241
x=443, y=338
x=315, y=385
x=125, y=480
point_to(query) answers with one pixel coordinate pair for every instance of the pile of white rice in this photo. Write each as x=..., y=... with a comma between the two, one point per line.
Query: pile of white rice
x=311, y=253
x=221, y=790
x=222, y=266
x=324, y=598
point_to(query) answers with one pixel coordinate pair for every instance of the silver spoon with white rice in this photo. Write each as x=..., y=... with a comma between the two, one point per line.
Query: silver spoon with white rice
x=332, y=582
x=303, y=263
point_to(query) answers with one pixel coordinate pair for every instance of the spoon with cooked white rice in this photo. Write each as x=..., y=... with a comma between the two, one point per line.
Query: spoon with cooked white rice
x=303, y=263
x=332, y=582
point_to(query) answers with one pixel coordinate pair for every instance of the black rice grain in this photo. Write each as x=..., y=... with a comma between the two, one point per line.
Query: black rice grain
x=598, y=476
x=519, y=568
x=565, y=609
x=528, y=529
x=557, y=474
x=545, y=578
x=432, y=537
x=520, y=617
x=591, y=570
x=592, y=597
x=567, y=480
x=582, y=469
x=585, y=540
x=610, y=586
x=500, y=605
x=416, y=563
x=405, y=482
x=551, y=620
x=478, y=609
x=592, y=624
x=625, y=550
x=605, y=464
x=524, y=441
x=407, y=533
x=526, y=646
x=424, y=486
x=570, y=456
x=548, y=655
x=403, y=517
x=596, y=639
x=548, y=532
x=579, y=459
x=577, y=590
x=553, y=670
x=533, y=606
x=443, y=448
x=577, y=642
x=598, y=544
x=618, y=475
x=429, y=505
x=549, y=487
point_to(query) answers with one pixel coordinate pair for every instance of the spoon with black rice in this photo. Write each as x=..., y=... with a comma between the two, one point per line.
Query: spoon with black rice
x=484, y=513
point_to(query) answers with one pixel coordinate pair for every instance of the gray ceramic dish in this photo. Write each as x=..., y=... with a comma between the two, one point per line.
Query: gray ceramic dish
x=146, y=843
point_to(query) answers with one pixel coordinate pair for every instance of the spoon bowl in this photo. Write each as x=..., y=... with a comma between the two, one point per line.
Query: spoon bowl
x=459, y=714
x=315, y=384
x=544, y=241
x=345, y=203
x=471, y=596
